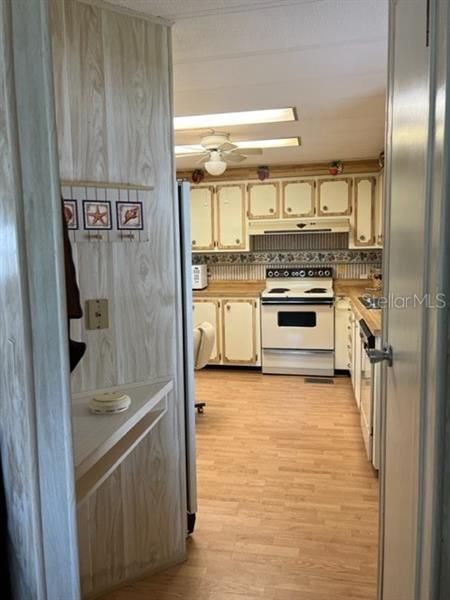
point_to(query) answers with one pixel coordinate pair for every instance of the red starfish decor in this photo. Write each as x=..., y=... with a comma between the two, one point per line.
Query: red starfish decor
x=98, y=216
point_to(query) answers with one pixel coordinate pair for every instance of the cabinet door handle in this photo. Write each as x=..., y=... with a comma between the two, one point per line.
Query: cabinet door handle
x=193, y=242
x=238, y=241
x=362, y=237
x=324, y=207
x=228, y=307
x=289, y=209
x=271, y=210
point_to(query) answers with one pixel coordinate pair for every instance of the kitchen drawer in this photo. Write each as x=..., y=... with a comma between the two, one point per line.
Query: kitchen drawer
x=298, y=362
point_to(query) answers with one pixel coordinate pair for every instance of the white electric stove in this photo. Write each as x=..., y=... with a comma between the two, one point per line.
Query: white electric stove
x=297, y=318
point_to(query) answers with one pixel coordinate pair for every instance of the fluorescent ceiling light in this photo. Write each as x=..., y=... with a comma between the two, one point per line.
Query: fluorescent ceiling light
x=275, y=143
x=246, y=117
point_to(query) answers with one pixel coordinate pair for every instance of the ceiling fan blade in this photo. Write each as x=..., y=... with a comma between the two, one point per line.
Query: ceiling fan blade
x=204, y=158
x=248, y=151
x=234, y=157
x=191, y=154
x=228, y=147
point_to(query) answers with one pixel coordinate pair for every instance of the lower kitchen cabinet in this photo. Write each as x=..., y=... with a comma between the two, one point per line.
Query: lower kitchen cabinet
x=342, y=334
x=237, y=325
x=208, y=309
x=240, y=331
x=365, y=378
x=356, y=361
x=377, y=409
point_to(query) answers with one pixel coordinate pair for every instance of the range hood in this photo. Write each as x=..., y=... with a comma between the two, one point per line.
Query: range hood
x=281, y=226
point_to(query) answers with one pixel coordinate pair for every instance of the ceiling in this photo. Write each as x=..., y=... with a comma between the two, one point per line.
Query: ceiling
x=325, y=57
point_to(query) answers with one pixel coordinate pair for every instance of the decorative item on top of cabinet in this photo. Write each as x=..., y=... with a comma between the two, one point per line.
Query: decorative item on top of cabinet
x=208, y=309
x=335, y=197
x=336, y=167
x=202, y=218
x=231, y=222
x=263, y=172
x=263, y=200
x=198, y=175
x=363, y=230
x=239, y=331
x=299, y=198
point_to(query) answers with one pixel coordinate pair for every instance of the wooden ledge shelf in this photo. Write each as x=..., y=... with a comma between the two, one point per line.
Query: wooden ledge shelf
x=102, y=442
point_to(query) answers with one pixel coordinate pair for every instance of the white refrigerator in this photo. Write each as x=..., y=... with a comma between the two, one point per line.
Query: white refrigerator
x=188, y=350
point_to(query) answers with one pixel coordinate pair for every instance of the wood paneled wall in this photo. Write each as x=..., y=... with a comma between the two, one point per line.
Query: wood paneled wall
x=114, y=118
x=112, y=83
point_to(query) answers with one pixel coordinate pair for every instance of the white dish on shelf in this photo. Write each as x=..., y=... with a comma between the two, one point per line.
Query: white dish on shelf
x=110, y=403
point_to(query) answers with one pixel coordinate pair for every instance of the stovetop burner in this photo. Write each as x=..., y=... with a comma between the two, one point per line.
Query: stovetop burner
x=316, y=291
x=279, y=290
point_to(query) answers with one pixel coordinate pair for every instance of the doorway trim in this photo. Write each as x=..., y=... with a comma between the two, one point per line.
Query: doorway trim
x=50, y=568
x=432, y=550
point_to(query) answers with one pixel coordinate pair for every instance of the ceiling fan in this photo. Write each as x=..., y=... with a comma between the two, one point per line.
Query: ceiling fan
x=219, y=151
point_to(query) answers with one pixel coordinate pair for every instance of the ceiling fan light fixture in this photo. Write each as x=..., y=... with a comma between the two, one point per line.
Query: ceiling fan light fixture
x=215, y=167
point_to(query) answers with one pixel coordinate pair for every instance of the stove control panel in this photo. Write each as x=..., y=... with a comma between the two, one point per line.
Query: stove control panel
x=302, y=273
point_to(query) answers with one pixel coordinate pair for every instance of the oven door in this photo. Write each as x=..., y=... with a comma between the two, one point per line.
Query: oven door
x=298, y=326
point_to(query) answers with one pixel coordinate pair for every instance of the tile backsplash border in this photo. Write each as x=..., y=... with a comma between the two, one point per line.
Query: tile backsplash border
x=318, y=257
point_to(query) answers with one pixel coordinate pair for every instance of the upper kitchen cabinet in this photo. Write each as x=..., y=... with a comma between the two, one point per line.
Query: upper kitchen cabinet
x=231, y=218
x=379, y=211
x=218, y=219
x=298, y=198
x=202, y=218
x=335, y=197
x=263, y=200
x=363, y=226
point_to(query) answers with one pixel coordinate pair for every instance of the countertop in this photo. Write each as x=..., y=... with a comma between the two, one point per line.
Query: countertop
x=353, y=288
x=231, y=289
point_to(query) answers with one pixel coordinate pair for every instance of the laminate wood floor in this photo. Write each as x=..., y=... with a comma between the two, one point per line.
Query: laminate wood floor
x=288, y=502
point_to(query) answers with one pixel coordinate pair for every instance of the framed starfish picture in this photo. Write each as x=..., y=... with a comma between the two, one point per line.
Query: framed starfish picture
x=71, y=214
x=129, y=215
x=97, y=215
